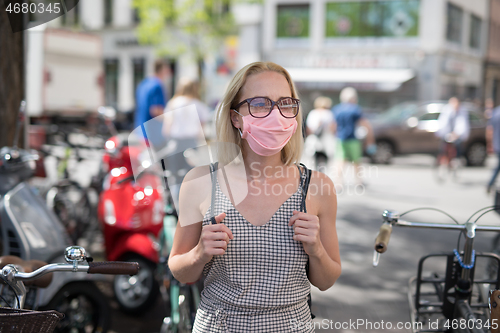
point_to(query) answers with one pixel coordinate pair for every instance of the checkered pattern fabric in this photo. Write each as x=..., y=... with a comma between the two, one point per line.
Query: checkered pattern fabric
x=260, y=283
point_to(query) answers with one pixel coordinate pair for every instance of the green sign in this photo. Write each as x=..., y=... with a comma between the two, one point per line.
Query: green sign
x=293, y=21
x=398, y=18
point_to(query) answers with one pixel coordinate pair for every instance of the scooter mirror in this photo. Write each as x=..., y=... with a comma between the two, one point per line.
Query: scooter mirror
x=107, y=112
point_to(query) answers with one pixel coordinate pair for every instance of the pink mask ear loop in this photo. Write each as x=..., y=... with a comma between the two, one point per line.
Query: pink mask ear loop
x=241, y=134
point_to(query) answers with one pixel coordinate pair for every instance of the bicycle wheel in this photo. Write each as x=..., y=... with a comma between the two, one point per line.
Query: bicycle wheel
x=70, y=202
x=183, y=307
x=187, y=311
x=84, y=307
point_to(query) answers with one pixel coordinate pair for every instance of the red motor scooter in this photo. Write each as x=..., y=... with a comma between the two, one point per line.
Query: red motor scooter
x=131, y=211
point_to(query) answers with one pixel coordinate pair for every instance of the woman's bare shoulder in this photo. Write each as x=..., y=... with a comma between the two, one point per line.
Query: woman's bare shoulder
x=195, y=192
x=322, y=185
x=321, y=194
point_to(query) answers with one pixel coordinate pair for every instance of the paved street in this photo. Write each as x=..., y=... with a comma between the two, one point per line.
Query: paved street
x=379, y=294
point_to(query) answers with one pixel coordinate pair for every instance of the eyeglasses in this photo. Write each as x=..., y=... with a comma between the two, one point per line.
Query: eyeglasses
x=261, y=107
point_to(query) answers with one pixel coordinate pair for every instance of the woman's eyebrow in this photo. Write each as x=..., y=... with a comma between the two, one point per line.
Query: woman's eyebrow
x=271, y=98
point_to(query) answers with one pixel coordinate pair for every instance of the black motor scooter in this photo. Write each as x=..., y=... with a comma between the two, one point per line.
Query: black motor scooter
x=28, y=229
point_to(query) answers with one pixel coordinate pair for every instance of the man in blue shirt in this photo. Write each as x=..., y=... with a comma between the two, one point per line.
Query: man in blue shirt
x=493, y=142
x=150, y=103
x=348, y=116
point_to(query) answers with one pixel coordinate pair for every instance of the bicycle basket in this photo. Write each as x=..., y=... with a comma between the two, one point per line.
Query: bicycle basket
x=28, y=321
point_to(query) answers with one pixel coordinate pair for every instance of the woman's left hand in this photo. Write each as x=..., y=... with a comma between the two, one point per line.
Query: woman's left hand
x=306, y=230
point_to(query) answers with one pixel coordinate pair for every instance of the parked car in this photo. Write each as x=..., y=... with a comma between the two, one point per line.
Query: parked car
x=409, y=128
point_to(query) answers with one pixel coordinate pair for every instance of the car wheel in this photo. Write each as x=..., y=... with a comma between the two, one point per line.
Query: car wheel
x=476, y=154
x=137, y=293
x=384, y=153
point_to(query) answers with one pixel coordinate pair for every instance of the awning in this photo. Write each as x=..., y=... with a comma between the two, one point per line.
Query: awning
x=347, y=75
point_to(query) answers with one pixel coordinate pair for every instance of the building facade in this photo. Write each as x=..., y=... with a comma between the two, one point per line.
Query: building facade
x=391, y=51
x=492, y=63
x=126, y=62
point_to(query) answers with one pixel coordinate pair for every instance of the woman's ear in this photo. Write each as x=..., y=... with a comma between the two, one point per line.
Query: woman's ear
x=235, y=119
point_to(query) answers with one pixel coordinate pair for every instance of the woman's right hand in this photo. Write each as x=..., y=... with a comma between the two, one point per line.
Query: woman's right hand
x=214, y=239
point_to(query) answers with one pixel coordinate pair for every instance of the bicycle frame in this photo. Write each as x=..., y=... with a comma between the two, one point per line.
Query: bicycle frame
x=459, y=273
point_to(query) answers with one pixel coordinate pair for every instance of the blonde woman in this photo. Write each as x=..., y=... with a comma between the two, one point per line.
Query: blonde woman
x=262, y=254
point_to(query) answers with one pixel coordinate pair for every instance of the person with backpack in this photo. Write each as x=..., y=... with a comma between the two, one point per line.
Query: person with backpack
x=259, y=226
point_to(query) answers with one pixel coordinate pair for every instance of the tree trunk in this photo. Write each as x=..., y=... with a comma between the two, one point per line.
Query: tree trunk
x=11, y=79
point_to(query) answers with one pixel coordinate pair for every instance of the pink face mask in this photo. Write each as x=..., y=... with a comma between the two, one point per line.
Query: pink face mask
x=267, y=136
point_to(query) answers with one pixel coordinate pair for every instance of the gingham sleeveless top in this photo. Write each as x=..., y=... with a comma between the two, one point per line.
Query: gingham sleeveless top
x=260, y=284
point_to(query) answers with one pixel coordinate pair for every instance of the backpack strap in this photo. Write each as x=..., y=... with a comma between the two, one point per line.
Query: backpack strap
x=213, y=175
x=305, y=186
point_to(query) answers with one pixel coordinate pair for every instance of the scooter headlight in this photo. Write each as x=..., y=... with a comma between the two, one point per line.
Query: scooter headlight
x=109, y=212
x=110, y=146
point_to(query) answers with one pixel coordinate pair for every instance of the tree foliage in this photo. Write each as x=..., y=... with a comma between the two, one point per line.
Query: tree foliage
x=179, y=26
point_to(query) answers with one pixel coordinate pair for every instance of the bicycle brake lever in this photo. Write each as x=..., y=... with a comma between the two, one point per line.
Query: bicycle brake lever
x=376, y=258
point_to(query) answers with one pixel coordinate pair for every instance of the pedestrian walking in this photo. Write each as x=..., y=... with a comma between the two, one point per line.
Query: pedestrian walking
x=262, y=253
x=320, y=124
x=453, y=130
x=348, y=116
x=151, y=99
x=183, y=121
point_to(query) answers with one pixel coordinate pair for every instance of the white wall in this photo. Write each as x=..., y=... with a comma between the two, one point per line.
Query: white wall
x=122, y=13
x=125, y=83
x=34, y=70
x=248, y=17
x=92, y=14
x=432, y=25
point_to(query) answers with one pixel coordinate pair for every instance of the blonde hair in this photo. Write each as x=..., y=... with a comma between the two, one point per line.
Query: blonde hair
x=187, y=87
x=348, y=95
x=226, y=132
x=322, y=102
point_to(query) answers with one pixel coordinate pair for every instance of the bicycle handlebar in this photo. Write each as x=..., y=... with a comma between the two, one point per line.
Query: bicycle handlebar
x=392, y=219
x=113, y=267
x=116, y=267
x=382, y=240
x=15, y=271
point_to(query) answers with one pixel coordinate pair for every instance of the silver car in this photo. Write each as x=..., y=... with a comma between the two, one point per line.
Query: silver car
x=409, y=128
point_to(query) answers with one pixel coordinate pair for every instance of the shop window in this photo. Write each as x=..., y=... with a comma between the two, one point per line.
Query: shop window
x=32, y=14
x=395, y=18
x=72, y=17
x=139, y=71
x=454, y=23
x=135, y=16
x=471, y=92
x=495, y=93
x=475, y=32
x=111, y=71
x=108, y=12
x=293, y=21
